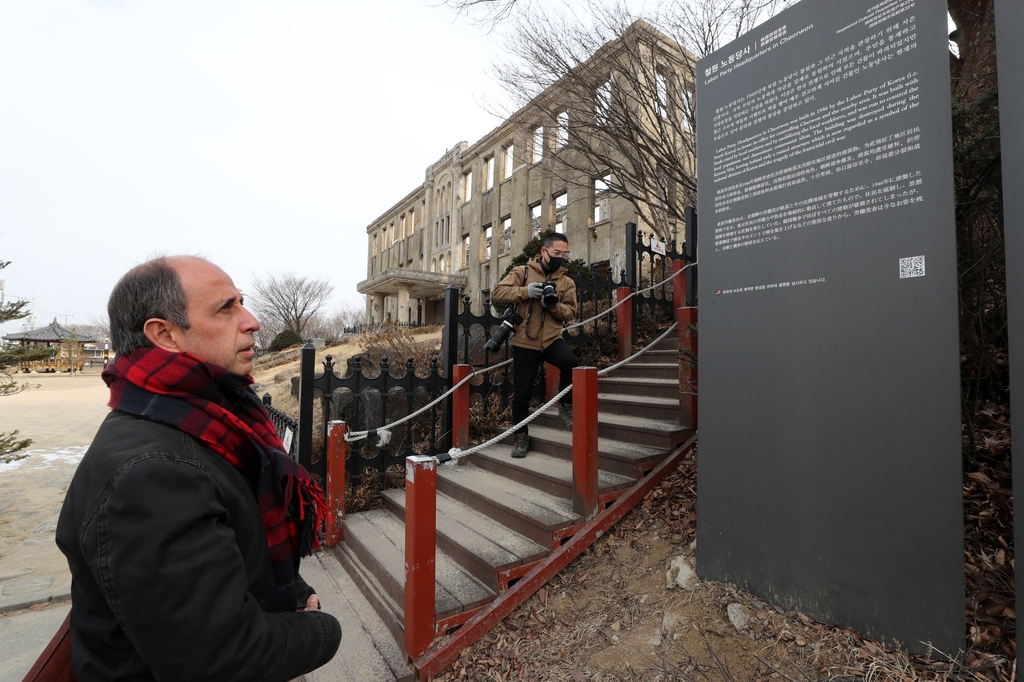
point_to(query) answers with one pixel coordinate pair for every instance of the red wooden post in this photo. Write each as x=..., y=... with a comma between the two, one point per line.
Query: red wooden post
x=584, y=441
x=337, y=450
x=554, y=375
x=678, y=287
x=420, y=539
x=688, y=366
x=54, y=664
x=460, y=408
x=624, y=316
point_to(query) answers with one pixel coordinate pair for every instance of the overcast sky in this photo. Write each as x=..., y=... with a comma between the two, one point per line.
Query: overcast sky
x=265, y=135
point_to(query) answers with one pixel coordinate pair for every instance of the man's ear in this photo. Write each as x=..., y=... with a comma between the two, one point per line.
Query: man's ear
x=164, y=334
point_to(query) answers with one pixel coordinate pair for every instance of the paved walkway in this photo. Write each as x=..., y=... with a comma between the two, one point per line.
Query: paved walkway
x=60, y=416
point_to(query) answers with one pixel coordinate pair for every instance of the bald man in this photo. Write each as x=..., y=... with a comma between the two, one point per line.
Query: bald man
x=185, y=521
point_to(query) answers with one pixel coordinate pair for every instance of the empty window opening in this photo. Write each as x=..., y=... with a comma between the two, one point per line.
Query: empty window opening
x=562, y=137
x=510, y=155
x=488, y=173
x=535, y=219
x=538, y=143
x=661, y=93
x=506, y=235
x=467, y=186
x=602, y=198
x=561, y=210
x=487, y=243
x=603, y=101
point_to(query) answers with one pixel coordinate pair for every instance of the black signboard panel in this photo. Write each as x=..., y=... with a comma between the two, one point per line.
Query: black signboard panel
x=1009, y=19
x=830, y=473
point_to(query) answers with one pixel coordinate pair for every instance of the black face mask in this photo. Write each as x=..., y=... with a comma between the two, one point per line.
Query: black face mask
x=553, y=264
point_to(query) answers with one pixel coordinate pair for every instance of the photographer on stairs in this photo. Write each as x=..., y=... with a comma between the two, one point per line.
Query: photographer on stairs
x=545, y=297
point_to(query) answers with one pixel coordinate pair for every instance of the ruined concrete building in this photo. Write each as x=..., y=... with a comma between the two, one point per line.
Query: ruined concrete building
x=547, y=167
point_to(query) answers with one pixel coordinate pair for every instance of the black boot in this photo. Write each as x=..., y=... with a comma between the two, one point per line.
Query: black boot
x=522, y=445
x=565, y=415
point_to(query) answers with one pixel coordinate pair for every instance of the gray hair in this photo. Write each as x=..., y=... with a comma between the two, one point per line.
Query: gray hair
x=150, y=290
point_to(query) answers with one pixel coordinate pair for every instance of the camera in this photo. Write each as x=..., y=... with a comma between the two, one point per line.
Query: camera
x=508, y=325
x=549, y=296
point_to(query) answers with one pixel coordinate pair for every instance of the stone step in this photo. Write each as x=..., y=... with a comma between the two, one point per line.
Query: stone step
x=383, y=604
x=621, y=457
x=648, y=370
x=652, y=432
x=656, y=388
x=369, y=651
x=378, y=538
x=663, y=409
x=657, y=356
x=530, y=512
x=486, y=548
x=544, y=472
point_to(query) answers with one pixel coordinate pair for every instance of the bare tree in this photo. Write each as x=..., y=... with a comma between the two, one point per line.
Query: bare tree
x=289, y=301
x=625, y=85
x=332, y=327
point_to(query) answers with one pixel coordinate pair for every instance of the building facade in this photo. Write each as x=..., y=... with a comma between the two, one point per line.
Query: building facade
x=480, y=204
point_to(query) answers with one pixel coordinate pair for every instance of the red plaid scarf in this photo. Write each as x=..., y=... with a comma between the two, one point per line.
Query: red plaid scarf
x=218, y=409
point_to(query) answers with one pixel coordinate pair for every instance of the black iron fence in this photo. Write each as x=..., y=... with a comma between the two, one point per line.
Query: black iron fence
x=285, y=425
x=648, y=261
x=369, y=396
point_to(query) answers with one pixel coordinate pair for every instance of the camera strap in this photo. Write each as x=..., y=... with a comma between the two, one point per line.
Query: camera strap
x=529, y=313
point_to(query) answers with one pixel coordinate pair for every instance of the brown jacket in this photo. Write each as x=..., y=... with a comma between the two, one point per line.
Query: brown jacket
x=512, y=289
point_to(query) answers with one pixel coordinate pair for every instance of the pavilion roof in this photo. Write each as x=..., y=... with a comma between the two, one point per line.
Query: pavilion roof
x=52, y=332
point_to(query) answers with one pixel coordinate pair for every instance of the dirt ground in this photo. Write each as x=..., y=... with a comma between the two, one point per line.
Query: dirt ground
x=612, y=616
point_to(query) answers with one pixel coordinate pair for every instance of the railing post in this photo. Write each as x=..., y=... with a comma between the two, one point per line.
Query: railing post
x=690, y=214
x=306, y=370
x=688, y=366
x=460, y=408
x=678, y=288
x=552, y=376
x=420, y=538
x=631, y=274
x=624, y=322
x=337, y=450
x=449, y=356
x=584, y=441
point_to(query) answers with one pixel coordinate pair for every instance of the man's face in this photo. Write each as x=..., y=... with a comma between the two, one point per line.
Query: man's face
x=559, y=249
x=221, y=328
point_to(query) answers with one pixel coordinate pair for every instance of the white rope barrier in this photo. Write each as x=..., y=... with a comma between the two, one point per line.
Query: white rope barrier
x=631, y=295
x=383, y=433
x=456, y=454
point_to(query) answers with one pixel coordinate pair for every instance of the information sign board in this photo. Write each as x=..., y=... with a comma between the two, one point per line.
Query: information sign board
x=830, y=470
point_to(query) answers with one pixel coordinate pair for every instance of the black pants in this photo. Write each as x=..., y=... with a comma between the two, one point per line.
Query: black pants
x=526, y=362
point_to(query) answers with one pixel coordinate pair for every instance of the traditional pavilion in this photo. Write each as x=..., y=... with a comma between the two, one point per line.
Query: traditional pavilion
x=69, y=346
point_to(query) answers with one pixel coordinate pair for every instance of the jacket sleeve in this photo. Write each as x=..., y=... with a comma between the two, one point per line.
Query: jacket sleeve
x=565, y=311
x=175, y=580
x=511, y=289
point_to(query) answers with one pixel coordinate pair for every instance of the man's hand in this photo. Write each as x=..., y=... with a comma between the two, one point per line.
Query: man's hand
x=535, y=289
x=312, y=604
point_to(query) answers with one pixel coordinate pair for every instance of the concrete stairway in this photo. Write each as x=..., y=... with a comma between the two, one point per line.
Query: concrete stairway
x=498, y=516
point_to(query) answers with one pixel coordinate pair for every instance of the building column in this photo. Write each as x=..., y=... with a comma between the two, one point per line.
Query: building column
x=377, y=308
x=403, y=304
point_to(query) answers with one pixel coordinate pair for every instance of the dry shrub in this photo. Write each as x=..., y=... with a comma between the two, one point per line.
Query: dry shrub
x=398, y=345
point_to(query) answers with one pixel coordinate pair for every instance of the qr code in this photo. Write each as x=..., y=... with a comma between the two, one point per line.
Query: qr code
x=912, y=267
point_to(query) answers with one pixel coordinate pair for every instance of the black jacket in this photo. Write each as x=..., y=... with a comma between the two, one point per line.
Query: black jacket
x=171, y=574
